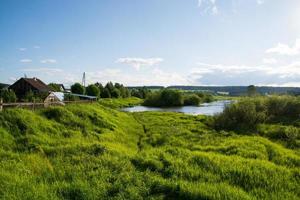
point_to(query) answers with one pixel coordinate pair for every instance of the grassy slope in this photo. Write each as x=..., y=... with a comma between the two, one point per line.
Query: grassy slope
x=95, y=152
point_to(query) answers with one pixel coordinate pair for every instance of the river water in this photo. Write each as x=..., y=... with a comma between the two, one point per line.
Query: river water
x=204, y=109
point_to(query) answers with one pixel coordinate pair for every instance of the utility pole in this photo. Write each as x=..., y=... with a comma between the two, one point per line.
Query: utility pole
x=83, y=79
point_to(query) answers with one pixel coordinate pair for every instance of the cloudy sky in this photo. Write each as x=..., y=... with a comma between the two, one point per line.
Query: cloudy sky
x=152, y=42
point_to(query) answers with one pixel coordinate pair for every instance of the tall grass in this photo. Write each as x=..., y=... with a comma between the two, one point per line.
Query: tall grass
x=97, y=152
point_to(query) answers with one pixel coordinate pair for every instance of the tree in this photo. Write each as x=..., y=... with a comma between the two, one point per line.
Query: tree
x=115, y=93
x=54, y=87
x=77, y=88
x=251, y=90
x=100, y=86
x=105, y=93
x=8, y=96
x=93, y=90
x=110, y=86
x=192, y=99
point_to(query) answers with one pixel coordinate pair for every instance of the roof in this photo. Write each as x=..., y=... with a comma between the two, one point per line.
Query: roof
x=37, y=83
x=83, y=96
x=59, y=95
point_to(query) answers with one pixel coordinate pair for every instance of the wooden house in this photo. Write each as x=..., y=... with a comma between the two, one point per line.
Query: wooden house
x=25, y=85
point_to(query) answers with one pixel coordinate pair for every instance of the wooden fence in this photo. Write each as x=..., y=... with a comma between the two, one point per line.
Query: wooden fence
x=37, y=105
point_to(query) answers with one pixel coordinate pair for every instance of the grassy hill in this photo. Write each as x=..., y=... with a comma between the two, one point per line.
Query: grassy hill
x=97, y=152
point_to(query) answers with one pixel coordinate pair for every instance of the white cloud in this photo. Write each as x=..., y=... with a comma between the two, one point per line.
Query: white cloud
x=137, y=63
x=259, y=2
x=36, y=47
x=48, y=71
x=26, y=61
x=22, y=49
x=208, y=6
x=211, y=74
x=269, y=61
x=284, y=49
x=12, y=79
x=48, y=61
x=151, y=77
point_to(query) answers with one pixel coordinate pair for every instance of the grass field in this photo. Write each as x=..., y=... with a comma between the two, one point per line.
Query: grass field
x=97, y=152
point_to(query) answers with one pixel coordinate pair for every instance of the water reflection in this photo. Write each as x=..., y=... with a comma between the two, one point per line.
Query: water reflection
x=204, y=109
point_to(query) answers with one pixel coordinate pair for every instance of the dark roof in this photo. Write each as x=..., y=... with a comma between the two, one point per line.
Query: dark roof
x=62, y=86
x=35, y=83
x=38, y=84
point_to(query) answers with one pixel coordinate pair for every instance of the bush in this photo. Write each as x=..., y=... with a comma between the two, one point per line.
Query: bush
x=93, y=90
x=115, y=93
x=8, y=96
x=77, y=88
x=192, y=99
x=105, y=93
x=245, y=115
x=165, y=98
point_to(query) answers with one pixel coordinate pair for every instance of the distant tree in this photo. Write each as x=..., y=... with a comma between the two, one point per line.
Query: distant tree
x=100, y=86
x=8, y=96
x=251, y=90
x=192, y=99
x=110, y=86
x=77, y=88
x=105, y=93
x=54, y=87
x=115, y=93
x=93, y=90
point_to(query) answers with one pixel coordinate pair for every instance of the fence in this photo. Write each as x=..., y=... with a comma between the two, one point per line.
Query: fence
x=36, y=105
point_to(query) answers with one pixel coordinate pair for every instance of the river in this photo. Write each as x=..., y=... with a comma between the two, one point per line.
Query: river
x=204, y=109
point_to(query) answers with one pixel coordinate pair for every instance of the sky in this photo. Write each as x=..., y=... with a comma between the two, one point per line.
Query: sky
x=152, y=42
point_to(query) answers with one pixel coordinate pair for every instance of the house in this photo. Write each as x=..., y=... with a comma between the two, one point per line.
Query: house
x=25, y=85
x=61, y=87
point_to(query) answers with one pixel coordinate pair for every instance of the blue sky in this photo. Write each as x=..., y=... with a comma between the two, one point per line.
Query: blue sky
x=152, y=42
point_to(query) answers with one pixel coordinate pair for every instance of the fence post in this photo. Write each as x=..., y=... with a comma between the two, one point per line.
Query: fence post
x=1, y=104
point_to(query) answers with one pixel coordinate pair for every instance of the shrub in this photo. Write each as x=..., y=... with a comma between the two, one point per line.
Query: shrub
x=92, y=90
x=115, y=93
x=192, y=99
x=8, y=96
x=242, y=115
x=77, y=88
x=165, y=98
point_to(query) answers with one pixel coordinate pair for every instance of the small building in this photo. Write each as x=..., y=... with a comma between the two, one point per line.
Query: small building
x=61, y=87
x=25, y=85
x=54, y=98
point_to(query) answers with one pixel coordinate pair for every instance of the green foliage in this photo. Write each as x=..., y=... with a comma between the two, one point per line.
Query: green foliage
x=105, y=93
x=8, y=96
x=92, y=90
x=141, y=93
x=70, y=97
x=115, y=93
x=77, y=88
x=121, y=102
x=249, y=112
x=192, y=99
x=165, y=98
x=251, y=90
x=54, y=87
x=244, y=115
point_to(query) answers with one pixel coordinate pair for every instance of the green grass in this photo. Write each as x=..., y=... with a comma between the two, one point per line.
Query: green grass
x=121, y=102
x=97, y=152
